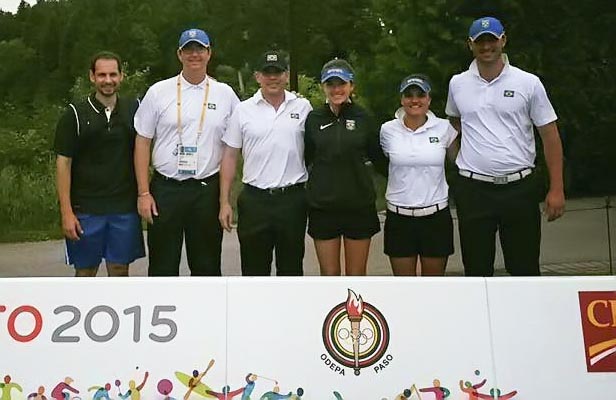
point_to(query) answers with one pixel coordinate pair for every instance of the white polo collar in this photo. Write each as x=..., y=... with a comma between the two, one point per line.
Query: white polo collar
x=258, y=97
x=429, y=123
x=475, y=71
x=187, y=84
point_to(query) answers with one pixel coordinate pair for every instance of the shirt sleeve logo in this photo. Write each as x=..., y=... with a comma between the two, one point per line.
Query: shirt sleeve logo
x=434, y=139
x=508, y=93
x=211, y=106
x=350, y=124
x=294, y=116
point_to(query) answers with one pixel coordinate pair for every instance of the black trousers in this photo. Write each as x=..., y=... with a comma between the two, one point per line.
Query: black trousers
x=513, y=210
x=272, y=221
x=187, y=210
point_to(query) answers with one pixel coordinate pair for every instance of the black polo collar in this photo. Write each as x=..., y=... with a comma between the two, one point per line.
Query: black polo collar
x=97, y=106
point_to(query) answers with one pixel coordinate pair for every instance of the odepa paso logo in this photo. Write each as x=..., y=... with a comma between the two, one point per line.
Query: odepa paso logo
x=356, y=336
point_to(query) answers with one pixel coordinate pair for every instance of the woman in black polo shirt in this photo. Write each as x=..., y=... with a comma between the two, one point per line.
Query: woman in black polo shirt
x=340, y=138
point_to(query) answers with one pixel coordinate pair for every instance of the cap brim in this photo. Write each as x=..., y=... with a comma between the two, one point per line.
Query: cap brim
x=196, y=41
x=425, y=88
x=330, y=75
x=273, y=66
x=474, y=37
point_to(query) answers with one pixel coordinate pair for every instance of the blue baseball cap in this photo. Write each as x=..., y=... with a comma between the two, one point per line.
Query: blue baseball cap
x=415, y=80
x=488, y=25
x=337, y=72
x=194, y=35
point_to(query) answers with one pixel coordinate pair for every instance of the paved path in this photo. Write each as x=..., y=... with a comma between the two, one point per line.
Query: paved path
x=576, y=244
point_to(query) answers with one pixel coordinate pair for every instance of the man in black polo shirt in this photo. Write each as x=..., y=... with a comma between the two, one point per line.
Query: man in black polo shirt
x=95, y=175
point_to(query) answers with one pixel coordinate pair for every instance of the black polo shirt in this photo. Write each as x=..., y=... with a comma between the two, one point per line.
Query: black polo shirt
x=101, y=149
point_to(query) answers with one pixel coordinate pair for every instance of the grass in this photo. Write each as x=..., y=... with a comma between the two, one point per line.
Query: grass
x=28, y=205
x=37, y=235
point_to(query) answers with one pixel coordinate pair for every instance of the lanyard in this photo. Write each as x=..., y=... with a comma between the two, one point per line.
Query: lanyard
x=203, y=109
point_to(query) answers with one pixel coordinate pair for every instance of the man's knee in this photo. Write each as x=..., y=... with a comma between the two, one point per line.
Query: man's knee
x=117, y=269
x=86, y=272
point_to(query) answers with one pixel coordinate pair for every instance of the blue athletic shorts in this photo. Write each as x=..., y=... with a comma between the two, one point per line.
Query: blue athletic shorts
x=115, y=237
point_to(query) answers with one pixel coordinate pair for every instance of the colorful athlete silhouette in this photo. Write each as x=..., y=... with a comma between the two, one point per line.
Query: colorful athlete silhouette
x=298, y=394
x=473, y=391
x=39, y=395
x=407, y=393
x=250, y=386
x=440, y=392
x=195, y=384
x=7, y=386
x=58, y=393
x=275, y=394
x=165, y=387
x=100, y=392
x=470, y=389
x=134, y=391
x=122, y=396
x=495, y=394
x=225, y=394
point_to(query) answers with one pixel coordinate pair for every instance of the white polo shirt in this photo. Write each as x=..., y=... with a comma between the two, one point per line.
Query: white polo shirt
x=416, y=160
x=497, y=119
x=272, y=141
x=157, y=119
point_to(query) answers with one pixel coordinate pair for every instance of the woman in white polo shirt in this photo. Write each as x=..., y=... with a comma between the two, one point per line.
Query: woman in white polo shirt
x=418, y=223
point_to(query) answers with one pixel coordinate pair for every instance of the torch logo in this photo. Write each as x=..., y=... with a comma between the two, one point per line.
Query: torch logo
x=355, y=334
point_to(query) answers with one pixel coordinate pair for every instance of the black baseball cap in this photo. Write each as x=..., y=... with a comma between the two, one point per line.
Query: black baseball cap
x=273, y=59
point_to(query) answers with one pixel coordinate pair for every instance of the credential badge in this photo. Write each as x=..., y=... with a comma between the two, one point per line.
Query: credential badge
x=350, y=124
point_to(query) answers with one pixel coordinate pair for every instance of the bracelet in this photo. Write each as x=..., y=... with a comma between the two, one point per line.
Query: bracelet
x=143, y=194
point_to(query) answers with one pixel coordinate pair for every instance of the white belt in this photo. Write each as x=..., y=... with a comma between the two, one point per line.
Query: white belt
x=417, y=212
x=498, y=180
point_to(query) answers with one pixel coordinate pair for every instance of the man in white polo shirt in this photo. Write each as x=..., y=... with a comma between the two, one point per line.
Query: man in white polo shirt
x=272, y=210
x=495, y=106
x=185, y=116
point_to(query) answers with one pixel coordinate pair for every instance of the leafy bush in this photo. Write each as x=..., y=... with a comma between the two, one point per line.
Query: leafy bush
x=28, y=203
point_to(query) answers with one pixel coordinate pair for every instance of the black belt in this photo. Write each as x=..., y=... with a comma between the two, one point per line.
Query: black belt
x=190, y=181
x=274, y=191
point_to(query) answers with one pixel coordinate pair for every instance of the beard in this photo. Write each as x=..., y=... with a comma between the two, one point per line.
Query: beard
x=108, y=90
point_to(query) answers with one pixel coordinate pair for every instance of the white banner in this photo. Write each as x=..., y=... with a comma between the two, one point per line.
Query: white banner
x=308, y=338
